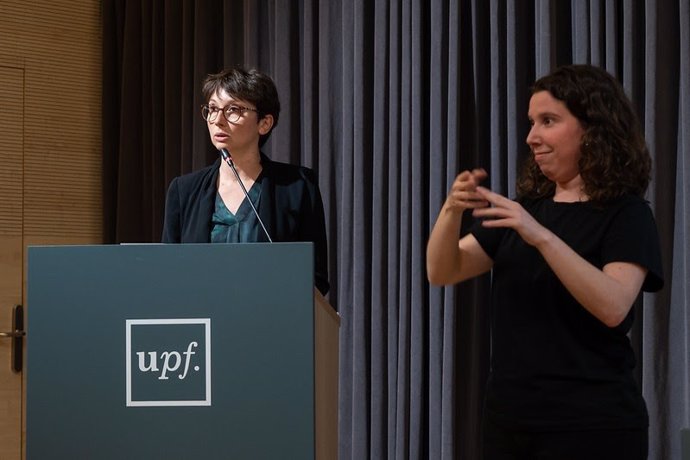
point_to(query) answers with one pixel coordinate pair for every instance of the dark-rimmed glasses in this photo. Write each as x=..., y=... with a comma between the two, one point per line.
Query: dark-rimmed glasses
x=232, y=113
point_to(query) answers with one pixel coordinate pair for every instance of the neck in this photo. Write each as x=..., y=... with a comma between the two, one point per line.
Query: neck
x=248, y=166
x=571, y=191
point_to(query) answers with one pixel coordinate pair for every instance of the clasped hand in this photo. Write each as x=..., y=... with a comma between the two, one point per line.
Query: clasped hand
x=496, y=210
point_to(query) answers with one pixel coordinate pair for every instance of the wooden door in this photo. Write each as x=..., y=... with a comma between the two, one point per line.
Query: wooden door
x=11, y=254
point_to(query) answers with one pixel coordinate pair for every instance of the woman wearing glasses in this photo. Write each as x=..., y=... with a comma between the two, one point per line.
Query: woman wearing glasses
x=209, y=205
x=569, y=258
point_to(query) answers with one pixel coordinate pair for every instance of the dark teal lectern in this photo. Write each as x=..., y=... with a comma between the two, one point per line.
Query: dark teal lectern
x=179, y=352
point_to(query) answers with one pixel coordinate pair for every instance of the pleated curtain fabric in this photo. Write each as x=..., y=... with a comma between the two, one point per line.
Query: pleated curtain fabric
x=388, y=101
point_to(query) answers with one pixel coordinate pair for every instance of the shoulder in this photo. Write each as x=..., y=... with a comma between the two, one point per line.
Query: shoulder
x=632, y=236
x=196, y=181
x=199, y=174
x=287, y=174
x=632, y=216
x=629, y=206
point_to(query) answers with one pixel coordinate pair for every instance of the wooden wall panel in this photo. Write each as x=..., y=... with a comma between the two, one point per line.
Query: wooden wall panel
x=50, y=154
x=57, y=43
x=11, y=150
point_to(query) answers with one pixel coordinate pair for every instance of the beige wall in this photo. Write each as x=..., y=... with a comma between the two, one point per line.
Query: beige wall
x=51, y=50
x=50, y=155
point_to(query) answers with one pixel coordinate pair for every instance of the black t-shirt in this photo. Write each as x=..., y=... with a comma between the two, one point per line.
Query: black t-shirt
x=553, y=364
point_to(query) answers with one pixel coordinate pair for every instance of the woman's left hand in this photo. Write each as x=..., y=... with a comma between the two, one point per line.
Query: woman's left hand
x=504, y=212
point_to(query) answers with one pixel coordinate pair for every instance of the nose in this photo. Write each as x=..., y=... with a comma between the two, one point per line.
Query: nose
x=533, y=137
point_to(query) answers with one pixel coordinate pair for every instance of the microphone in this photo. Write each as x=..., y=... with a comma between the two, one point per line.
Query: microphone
x=228, y=159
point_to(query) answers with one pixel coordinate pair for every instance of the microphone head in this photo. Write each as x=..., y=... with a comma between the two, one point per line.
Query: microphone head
x=224, y=154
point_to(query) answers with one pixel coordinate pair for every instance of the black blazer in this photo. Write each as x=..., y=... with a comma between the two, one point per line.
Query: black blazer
x=290, y=207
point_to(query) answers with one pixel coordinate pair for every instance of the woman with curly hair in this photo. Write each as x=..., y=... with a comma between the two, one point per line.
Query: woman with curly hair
x=569, y=258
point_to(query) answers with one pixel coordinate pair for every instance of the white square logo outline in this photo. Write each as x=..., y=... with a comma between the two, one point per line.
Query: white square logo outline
x=128, y=345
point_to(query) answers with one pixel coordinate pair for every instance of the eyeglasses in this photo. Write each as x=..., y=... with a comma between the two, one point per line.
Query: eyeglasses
x=232, y=113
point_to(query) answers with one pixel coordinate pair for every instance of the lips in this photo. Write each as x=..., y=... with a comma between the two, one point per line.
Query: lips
x=220, y=137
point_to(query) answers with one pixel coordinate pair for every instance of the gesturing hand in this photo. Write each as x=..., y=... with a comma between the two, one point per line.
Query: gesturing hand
x=510, y=214
x=463, y=193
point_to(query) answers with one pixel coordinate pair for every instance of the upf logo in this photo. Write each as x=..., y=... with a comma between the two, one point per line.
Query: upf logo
x=167, y=366
x=168, y=362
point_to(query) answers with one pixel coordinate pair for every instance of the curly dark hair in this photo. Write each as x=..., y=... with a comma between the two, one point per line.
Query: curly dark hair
x=614, y=158
x=247, y=85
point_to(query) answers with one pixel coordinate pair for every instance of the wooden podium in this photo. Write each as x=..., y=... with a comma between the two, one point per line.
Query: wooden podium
x=180, y=351
x=327, y=330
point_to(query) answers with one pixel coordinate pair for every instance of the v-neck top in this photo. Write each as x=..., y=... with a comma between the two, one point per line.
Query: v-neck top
x=241, y=227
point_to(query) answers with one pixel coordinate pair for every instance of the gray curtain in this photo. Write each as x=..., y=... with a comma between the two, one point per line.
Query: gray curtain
x=388, y=101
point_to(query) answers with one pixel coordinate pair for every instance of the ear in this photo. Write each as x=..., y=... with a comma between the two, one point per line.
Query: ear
x=265, y=124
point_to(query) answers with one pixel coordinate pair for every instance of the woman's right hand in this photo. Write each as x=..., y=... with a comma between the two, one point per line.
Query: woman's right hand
x=448, y=260
x=463, y=193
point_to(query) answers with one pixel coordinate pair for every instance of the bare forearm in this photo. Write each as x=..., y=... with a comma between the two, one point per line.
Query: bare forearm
x=442, y=253
x=447, y=259
x=607, y=294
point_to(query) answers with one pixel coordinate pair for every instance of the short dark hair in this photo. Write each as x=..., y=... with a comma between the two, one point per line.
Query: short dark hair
x=614, y=158
x=249, y=85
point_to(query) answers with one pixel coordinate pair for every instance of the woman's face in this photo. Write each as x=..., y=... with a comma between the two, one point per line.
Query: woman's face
x=554, y=138
x=241, y=135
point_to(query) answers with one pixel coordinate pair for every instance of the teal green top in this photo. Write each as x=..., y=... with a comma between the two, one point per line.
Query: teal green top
x=242, y=227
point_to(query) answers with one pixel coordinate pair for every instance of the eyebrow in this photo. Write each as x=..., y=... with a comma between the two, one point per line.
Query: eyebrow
x=544, y=114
